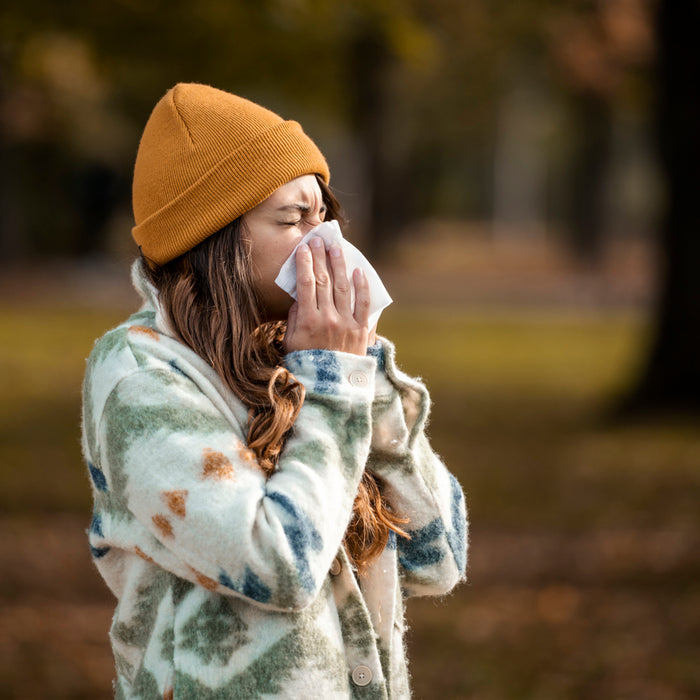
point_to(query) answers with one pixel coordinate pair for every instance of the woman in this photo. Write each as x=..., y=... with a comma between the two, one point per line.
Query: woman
x=265, y=496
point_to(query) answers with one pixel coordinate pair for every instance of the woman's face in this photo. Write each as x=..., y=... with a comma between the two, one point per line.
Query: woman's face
x=274, y=228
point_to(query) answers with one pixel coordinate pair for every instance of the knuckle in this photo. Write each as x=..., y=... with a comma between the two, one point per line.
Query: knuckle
x=322, y=279
x=306, y=281
x=306, y=328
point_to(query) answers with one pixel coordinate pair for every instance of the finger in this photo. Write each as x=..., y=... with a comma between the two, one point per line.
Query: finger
x=306, y=281
x=324, y=290
x=342, y=295
x=361, y=297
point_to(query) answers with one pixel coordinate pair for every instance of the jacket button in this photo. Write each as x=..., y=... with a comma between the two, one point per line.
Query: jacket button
x=335, y=566
x=358, y=378
x=362, y=675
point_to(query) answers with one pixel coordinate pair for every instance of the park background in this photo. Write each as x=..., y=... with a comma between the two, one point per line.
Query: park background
x=525, y=177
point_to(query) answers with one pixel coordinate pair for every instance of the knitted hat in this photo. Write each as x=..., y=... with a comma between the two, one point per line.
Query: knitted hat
x=205, y=158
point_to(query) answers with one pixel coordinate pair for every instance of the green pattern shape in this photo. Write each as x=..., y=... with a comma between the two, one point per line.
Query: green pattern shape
x=355, y=624
x=111, y=342
x=143, y=317
x=124, y=668
x=137, y=631
x=277, y=664
x=315, y=452
x=145, y=685
x=287, y=579
x=269, y=672
x=356, y=429
x=126, y=422
x=215, y=631
x=167, y=644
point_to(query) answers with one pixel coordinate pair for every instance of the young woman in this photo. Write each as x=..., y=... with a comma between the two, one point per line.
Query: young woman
x=265, y=496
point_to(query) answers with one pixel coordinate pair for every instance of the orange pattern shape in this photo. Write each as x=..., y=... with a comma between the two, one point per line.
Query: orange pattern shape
x=217, y=465
x=163, y=524
x=205, y=581
x=246, y=454
x=176, y=501
x=145, y=330
x=143, y=554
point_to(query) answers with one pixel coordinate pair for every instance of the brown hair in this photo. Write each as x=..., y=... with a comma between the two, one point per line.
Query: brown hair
x=210, y=299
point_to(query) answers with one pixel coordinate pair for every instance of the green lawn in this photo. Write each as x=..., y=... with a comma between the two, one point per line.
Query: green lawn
x=585, y=548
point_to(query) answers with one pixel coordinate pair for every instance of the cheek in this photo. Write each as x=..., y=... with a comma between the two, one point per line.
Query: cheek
x=268, y=256
x=269, y=259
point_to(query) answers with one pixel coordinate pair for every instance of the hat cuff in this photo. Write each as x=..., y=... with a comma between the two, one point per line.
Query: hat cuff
x=258, y=168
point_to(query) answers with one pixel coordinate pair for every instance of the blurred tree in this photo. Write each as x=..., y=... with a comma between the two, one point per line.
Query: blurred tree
x=671, y=377
x=602, y=51
x=106, y=63
x=410, y=88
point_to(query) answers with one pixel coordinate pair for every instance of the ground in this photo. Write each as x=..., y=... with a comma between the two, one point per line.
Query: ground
x=584, y=561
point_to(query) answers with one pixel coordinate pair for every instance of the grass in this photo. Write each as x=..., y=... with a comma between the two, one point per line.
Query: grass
x=584, y=563
x=42, y=361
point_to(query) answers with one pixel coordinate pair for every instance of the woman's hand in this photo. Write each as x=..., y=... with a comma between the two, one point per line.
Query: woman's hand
x=322, y=318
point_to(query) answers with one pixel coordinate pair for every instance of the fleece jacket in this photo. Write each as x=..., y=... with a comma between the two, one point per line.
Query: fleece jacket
x=231, y=584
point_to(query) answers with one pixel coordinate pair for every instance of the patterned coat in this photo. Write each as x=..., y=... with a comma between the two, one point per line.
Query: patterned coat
x=234, y=585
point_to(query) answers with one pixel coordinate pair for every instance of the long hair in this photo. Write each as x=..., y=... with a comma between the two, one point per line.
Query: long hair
x=210, y=299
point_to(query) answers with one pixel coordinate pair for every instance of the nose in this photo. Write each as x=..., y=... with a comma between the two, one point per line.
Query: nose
x=312, y=221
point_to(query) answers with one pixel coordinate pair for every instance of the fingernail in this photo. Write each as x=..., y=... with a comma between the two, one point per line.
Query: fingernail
x=316, y=242
x=303, y=248
x=359, y=272
x=335, y=251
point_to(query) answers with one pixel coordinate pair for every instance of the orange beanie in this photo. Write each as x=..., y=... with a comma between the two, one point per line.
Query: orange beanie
x=205, y=158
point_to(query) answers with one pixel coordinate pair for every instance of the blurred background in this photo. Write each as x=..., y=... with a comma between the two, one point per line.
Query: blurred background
x=525, y=176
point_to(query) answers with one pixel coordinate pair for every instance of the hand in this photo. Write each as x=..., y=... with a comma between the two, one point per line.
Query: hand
x=322, y=317
x=372, y=337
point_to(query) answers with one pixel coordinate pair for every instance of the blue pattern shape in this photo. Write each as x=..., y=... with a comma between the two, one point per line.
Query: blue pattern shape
x=99, y=552
x=418, y=552
x=391, y=542
x=177, y=368
x=226, y=580
x=251, y=587
x=457, y=537
x=96, y=524
x=302, y=536
x=327, y=371
x=254, y=588
x=377, y=351
x=98, y=477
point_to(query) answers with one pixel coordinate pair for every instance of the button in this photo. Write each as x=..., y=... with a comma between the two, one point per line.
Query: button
x=335, y=566
x=361, y=676
x=358, y=378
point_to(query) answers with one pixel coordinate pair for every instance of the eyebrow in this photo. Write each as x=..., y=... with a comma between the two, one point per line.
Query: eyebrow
x=299, y=207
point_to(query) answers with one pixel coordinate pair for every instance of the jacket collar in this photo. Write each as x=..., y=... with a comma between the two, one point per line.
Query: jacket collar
x=149, y=295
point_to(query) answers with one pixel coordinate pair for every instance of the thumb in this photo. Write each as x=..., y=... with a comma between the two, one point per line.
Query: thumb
x=291, y=324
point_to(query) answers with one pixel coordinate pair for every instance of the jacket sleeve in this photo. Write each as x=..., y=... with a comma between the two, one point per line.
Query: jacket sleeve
x=185, y=492
x=416, y=483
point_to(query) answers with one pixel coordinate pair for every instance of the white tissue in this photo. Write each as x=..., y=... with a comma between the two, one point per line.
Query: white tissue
x=330, y=232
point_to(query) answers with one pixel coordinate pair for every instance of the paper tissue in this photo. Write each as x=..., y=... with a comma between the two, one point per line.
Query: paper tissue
x=330, y=232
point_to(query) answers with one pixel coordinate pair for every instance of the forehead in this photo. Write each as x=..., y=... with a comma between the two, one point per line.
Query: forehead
x=302, y=189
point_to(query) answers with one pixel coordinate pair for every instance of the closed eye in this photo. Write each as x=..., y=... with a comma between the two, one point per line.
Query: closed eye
x=304, y=210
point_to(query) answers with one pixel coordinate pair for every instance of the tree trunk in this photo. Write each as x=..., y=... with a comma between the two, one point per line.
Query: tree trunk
x=671, y=378
x=368, y=63
x=591, y=162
